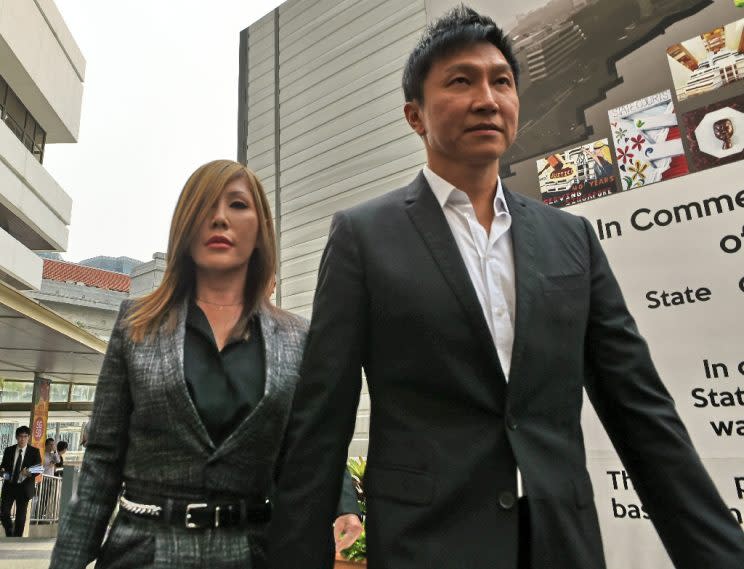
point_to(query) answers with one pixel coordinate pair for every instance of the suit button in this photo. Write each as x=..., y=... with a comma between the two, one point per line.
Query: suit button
x=511, y=422
x=506, y=500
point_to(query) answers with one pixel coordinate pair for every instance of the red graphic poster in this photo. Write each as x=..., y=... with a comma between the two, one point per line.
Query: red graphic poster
x=39, y=412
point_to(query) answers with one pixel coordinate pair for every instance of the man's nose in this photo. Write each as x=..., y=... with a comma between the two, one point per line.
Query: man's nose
x=485, y=100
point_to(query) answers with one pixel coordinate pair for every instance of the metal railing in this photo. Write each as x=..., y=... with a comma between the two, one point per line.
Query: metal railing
x=46, y=501
x=45, y=505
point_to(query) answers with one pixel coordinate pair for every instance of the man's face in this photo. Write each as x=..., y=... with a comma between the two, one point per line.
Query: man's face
x=470, y=110
x=22, y=440
x=49, y=446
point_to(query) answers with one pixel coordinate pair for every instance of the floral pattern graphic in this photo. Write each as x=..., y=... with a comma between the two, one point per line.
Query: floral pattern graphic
x=624, y=155
x=648, y=145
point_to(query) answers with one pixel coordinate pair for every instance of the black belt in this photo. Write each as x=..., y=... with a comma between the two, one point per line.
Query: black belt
x=199, y=515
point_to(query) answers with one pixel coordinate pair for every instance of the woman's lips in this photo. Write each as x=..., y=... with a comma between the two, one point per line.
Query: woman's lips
x=219, y=242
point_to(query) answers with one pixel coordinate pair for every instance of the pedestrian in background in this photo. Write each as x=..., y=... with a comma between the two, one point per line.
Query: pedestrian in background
x=18, y=481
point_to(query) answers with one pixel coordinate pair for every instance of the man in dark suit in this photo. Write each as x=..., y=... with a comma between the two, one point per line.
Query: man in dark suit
x=18, y=482
x=478, y=316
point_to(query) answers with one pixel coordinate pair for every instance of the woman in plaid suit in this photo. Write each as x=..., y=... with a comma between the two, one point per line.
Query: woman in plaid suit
x=193, y=396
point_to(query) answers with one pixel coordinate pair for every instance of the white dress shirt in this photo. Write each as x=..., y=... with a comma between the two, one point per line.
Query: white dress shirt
x=489, y=259
x=20, y=452
x=50, y=462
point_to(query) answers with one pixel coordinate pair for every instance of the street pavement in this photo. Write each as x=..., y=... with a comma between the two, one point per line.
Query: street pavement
x=25, y=552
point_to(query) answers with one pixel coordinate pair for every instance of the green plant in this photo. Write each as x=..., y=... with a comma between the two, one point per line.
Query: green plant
x=358, y=550
x=356, y=467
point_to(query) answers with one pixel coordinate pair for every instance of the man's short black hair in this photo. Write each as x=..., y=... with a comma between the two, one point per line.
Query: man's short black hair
x=24, y=430
x=460, y=27
x=49, y=439
x=62, y=446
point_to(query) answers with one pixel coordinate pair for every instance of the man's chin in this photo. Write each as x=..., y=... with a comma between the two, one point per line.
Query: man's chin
x=484, y=158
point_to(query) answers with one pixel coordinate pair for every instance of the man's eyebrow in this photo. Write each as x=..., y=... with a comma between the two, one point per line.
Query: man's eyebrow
x=463, y=67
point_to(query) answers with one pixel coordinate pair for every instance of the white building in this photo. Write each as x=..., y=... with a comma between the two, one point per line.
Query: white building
x=41, y=89
x=720, y=68
x=550, y=49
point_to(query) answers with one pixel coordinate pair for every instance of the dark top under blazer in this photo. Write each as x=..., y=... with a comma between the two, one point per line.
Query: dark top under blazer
x=447, y=431
x=224, y=385
x=31, y=457
x=146, y=432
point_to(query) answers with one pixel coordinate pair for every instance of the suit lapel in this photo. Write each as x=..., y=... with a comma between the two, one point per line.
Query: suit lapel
x=428, y=218
x=27, y=456
x=171, y=345
x=272, y=368
x=526, y=273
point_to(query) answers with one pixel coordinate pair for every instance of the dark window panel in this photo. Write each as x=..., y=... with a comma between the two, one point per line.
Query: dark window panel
x=39, y=137
x=21, y=122
x=30, y=125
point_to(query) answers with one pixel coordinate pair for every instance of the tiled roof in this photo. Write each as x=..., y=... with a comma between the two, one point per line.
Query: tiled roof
x=72, y=272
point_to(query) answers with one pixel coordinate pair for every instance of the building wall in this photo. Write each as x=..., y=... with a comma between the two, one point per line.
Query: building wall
x=43, y=66
x=147, y=276
x=91, y=308
x=326, y=131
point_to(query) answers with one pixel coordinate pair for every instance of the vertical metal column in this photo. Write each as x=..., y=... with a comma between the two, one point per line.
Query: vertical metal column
x=277, y=164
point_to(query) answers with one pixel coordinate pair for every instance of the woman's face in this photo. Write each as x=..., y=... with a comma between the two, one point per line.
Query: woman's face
x=227, y=238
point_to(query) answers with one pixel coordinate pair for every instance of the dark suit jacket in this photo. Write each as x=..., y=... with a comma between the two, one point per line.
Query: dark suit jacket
x=31, y=457
x=447, y=431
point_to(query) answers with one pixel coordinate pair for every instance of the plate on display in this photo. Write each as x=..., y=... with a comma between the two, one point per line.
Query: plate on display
x=728, y=123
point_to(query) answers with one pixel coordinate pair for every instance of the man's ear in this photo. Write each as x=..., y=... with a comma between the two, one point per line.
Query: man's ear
x=412, y=110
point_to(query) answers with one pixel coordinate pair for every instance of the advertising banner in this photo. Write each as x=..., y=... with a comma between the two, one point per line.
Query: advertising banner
x=39, y=412
x=677, y=249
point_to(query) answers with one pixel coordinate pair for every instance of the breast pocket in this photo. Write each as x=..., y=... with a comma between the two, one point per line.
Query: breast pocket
x=399, y=484
x=565, y=284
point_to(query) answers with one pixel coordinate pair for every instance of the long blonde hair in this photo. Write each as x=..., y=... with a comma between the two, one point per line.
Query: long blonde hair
x=201, y=192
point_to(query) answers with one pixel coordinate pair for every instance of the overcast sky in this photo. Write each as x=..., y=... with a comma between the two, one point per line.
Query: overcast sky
x=159, y=99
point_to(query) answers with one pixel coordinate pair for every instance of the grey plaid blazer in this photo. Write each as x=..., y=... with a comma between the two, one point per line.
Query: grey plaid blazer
x=146, y=432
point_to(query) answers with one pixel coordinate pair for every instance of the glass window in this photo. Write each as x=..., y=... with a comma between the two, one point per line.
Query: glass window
x=21, y=122
x=15, y=111
x=16, y=391
x=83, y=392
x=3, y=89
x=58, y=392
x=30, y=125
x=39, y=137
x=7, y=433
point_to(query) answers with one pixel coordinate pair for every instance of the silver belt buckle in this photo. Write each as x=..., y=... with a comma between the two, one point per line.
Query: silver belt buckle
x=189, y=509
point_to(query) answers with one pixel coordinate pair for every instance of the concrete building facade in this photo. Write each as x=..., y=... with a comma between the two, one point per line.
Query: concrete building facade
x=41, y=86
x=89, y=296
x=86, y=296
x=548, y=51
x=321, y=124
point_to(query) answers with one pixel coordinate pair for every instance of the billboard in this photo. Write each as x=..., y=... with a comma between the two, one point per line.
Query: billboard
x=660, y=85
